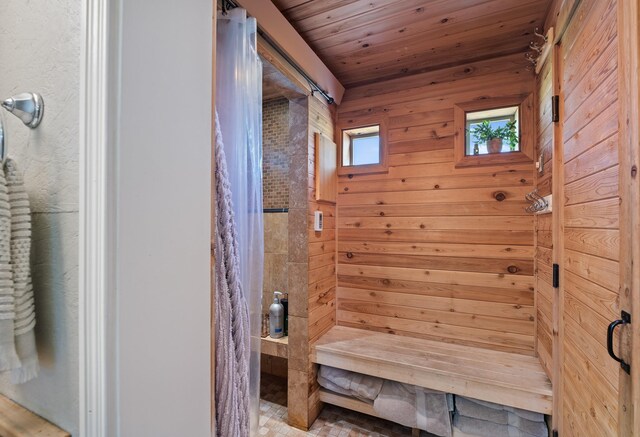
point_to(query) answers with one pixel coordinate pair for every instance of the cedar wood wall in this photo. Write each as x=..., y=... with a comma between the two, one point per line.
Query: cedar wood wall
x=426, y=250
x=544, y=237
x=589, y=52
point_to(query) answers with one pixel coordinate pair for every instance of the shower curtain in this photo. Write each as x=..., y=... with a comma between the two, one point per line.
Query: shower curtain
x=239, y=107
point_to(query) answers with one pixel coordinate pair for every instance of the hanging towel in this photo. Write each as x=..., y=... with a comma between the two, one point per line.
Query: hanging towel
x=25, y=315
x=8, y=356
x=231, y=312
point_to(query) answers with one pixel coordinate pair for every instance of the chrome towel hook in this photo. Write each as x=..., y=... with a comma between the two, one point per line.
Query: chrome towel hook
x=28, y=107
x=538, y=204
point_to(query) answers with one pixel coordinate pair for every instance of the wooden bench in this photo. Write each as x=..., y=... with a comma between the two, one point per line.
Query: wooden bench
x=500, y=377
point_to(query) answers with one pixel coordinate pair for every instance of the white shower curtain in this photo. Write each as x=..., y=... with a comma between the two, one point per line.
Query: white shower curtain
x=239, y=106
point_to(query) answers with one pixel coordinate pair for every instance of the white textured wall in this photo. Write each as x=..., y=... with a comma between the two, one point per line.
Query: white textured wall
x=163, y=219
x=40, y=51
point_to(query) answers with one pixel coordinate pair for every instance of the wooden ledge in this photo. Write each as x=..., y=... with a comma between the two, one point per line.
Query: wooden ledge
x=17, y=421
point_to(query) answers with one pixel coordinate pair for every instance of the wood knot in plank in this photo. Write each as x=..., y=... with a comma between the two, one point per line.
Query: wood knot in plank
x=499, y=196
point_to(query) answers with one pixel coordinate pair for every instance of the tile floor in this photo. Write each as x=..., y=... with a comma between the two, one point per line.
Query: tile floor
x=333, y=421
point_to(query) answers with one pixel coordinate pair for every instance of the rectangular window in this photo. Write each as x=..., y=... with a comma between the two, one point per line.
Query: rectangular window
x=492, y=131
x=361, y=146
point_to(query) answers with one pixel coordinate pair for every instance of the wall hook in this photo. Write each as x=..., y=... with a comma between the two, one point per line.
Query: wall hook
x=28, y=107
x=538, y=203
x=541, y=36
x=531, y=58
x=536, y=47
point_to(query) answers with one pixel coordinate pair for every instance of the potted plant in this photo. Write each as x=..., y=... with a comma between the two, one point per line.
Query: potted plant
x=510, y=133
x=494, y=138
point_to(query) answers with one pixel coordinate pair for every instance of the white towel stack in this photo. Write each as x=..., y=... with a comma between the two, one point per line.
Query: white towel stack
x=17, y=312
x=474, y=418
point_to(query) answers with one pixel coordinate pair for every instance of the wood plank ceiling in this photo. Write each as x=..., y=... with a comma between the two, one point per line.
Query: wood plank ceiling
x=365, y=41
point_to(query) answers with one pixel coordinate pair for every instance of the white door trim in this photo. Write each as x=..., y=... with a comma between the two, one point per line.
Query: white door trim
x=98, y=135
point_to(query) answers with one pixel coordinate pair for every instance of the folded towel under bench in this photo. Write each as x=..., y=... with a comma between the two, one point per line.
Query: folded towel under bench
x=408, y=405
x=486, y=419
x=430, y=410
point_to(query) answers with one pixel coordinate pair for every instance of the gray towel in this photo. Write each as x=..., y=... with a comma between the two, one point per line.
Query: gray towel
x=517, y=427
x=492, y=412
x=329, y=385
x=231, y=313
x=363, y=387
x=8, y=357
x=415, y=407
x=25, y=314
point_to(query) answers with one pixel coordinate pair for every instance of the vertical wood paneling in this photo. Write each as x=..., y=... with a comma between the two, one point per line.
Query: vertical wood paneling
x=544, y=246
x=629, y=104
x=591, y=228
x=425, y=249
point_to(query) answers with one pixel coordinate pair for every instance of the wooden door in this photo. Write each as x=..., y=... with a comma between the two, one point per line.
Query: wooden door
x=589, y=228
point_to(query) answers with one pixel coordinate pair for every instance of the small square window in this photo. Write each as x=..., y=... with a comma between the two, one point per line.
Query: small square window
x=361, y=146
x=477, y=123
x=492, y=131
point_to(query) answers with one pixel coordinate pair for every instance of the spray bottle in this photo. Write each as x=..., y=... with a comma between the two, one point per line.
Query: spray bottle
x=276, y=317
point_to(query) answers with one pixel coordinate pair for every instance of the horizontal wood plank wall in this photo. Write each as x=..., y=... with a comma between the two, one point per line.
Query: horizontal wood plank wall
x=426, y=250
x=591, y=276
x=544, y=247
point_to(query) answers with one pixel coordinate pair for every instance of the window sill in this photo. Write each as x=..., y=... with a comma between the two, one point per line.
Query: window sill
x=362, y=169
x=493, y=159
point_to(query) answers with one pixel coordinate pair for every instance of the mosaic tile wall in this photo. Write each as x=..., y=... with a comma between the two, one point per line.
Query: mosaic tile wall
x=275, y=153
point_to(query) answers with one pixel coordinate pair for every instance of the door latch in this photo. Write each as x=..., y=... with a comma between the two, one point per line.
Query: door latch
x=625, y=319
x=555, y=108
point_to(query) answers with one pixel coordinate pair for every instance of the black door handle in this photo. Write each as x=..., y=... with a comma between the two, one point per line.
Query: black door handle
x=625, y=318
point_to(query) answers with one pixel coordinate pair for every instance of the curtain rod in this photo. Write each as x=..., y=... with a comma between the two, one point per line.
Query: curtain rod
x=231, y=4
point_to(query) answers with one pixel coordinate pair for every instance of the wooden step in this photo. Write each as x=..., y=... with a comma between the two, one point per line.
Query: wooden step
x=494, y=376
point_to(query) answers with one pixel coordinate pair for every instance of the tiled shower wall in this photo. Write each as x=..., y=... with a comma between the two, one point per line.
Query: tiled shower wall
x=275, y=173
x=275, y=153
x=276, y=256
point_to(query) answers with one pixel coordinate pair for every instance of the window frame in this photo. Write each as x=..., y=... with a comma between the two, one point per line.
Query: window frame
x=510, y=118
x=526, y=125
x=382, y=166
